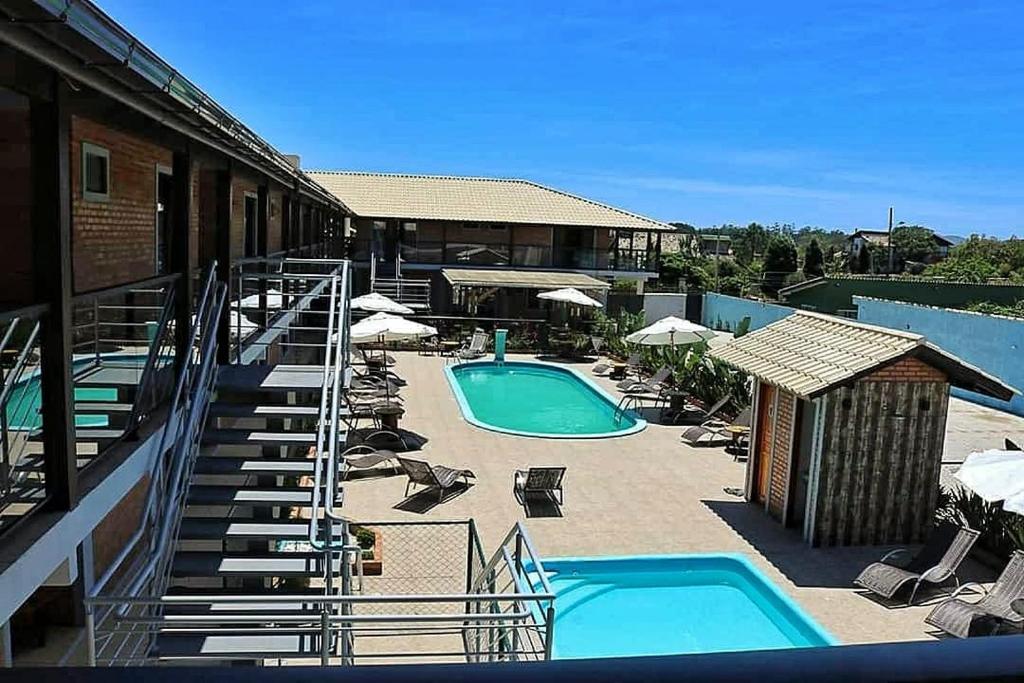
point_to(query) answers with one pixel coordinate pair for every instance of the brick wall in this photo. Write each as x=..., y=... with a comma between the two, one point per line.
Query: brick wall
x=110, y=535
x=274, y=222
x=782, y=435
x=114, y=242
x=907, y=370
x=239, y=186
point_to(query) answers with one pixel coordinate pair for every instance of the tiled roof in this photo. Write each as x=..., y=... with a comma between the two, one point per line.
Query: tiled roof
x=521, y=279
x=809, y=354
x=498, y=200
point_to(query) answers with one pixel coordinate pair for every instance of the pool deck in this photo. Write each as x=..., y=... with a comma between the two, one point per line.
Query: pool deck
x=648, y=493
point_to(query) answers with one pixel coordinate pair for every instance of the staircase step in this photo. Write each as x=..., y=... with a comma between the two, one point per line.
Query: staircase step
x=102, y=407
x=98, y=434
x=202, y=494
x=274, y=378
x=227, y=409
x=242, y=646
x=227, y=464
x=109, y=376
x=192, y=564
x=204, y=528
x=250, y=436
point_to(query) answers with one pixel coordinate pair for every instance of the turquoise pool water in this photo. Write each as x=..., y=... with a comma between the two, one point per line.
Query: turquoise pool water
x=537, y=399
x=672, y=604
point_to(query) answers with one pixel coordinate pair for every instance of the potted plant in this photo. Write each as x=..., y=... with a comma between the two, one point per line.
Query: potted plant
x=370, y=542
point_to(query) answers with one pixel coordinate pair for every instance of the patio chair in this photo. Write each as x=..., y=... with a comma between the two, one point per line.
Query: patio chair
x=363, y=456
x=936, y=563
x=653, y=385
x=1002, y=605
x=475, y=349
x=439, y=476
x=713, y=431
x=546, y=481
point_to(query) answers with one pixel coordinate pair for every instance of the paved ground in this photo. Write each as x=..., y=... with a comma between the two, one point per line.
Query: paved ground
x=647, y=493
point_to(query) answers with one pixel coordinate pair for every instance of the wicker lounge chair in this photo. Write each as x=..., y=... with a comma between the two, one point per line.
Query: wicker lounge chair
x=936, y=563
x=425, y=474
x=546, y=481
x=712, y=432
x=653, y=385
x=1002, y=605
x=363, y=456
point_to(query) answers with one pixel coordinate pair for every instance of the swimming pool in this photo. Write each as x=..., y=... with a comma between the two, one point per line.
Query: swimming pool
x=672, y=604
x=537, y=399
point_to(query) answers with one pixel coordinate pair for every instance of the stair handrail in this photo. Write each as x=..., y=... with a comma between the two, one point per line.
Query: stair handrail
x=152, y=357
x=158, y=481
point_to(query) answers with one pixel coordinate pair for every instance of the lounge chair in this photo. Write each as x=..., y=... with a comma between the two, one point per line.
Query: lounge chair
x=364, y=456
x=546, y=481
x=439, y=476
x=713, y=431
x=692, y=414
x=475, y=348
x=936, y=563
x=653, y=385
x=1002, y=605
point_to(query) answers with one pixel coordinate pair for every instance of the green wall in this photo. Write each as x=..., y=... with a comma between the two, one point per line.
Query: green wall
x=836, y=294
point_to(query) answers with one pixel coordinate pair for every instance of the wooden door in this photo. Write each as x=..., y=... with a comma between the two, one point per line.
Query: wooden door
x=765, y=437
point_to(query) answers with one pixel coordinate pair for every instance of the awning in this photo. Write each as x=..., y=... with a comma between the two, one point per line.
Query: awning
x=521, y=279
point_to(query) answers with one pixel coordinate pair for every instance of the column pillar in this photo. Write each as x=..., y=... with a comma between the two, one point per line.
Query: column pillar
x=180, y=256
x=223, y=223
x=51, y=228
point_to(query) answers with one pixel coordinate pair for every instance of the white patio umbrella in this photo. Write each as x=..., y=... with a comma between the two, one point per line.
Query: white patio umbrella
x=995, y=475
x=378, y=303
x=274, y=300
x=669, y=332
x=571, y=295
x=385, y=327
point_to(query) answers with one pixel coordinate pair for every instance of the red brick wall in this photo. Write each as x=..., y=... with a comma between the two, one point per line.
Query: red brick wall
x=782, y=435
x=110, y=535
x=907, y=370
x=113, y=242
x=274, y=217
x=239, y=186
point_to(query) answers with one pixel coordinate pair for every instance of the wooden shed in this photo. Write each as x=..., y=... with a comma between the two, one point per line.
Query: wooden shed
x=848, y=426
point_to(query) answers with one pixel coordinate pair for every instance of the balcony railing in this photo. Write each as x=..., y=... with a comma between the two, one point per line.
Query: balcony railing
x=520, y=256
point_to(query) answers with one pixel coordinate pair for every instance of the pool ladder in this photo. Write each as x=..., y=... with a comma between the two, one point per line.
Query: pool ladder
x=627, y=403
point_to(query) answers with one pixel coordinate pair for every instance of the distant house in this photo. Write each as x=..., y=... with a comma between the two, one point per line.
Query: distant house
x=716, y=245
x=862, y=239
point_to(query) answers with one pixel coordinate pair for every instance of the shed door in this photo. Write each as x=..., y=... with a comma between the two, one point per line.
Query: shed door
x=765, y=437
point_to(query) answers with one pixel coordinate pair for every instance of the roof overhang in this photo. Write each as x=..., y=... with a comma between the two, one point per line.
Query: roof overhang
x=520, y=279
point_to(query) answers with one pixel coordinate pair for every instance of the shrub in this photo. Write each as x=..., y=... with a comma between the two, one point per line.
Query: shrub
x=365, y=538
x=1002, y=532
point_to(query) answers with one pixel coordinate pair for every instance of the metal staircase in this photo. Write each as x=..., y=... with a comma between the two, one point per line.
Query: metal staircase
x=251, y=561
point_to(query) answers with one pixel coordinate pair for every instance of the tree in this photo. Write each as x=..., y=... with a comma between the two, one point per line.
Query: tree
x=912, y=243
x=814, y=260
x=750, y=242
x=780, y=255
x=980, y=258
x=692, y=270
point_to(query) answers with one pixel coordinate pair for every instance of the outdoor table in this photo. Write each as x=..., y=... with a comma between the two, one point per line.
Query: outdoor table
x=448, y=348
x=389, y=415
x=736, y=433
x=618, y=371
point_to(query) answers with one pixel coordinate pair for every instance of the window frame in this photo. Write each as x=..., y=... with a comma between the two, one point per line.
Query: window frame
x=92, y=149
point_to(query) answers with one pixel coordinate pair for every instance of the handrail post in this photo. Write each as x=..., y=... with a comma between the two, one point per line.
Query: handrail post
x=325, y=636
x=90, y=635
x=549, y=632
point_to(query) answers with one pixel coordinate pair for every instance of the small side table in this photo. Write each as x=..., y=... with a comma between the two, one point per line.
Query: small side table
x=389, y=415
x=448, y=348
x=618, y=371
x=737, y=434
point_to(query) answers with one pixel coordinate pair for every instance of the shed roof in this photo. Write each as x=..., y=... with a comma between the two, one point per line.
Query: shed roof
x=458, y=198
x=521, y=279
x=810, y=354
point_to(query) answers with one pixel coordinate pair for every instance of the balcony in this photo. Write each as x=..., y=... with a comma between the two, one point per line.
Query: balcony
x=522, y=255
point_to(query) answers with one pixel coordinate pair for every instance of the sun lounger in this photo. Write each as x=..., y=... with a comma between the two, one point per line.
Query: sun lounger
x=364, y=456
x=546, y=481
x=1000, y=606
x=654, y=385
x=936, y=563
x=475, y=349
x=424, y=474
x=712, y=432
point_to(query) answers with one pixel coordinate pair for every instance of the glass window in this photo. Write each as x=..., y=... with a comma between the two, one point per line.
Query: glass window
x=95, y=173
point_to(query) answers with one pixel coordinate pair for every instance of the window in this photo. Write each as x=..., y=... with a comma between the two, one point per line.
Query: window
x=95, y=173
x=498, y=226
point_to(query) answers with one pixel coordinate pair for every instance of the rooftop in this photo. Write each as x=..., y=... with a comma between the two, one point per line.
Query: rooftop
x=811, y=354
x=522, y=279
x=457, y=198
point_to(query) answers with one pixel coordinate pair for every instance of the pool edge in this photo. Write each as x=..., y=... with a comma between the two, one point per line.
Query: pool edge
x=469, y=416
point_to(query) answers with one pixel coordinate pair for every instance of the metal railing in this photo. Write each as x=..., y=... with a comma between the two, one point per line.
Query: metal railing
x=414, y=293
x=141, y=571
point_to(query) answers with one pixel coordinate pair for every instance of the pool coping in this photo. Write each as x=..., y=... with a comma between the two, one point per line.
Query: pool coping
x=811, y=622
x=471, y=418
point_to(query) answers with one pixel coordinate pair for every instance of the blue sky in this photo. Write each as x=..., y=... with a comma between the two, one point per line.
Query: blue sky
x=820, y=113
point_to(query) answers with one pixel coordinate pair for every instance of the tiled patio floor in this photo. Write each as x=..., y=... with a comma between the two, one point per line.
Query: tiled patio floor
x=647, y=493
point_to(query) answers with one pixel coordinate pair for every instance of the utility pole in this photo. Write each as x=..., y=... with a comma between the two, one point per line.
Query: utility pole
x=891, y=252
x=718, y=255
